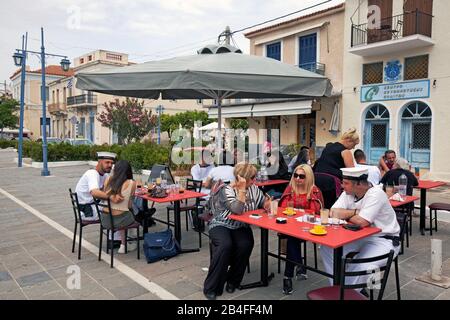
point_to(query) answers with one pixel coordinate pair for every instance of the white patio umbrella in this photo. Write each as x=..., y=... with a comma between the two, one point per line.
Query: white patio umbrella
x=216, y=72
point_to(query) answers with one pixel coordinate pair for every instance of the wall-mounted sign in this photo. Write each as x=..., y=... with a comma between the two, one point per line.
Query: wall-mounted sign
x=393, y=71
x=396, y=91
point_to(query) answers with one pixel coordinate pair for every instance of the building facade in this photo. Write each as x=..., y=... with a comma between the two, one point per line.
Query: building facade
x=33, y=104
x=312, y=42
x=74, y=112
x=397, y=78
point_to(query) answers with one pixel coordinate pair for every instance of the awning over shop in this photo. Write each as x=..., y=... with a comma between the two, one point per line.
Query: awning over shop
x=278, y=108
x=239, y=111
x=282, y=108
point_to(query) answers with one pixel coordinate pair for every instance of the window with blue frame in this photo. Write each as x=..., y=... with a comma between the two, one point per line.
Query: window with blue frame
x=274, y=51
x=308, y=52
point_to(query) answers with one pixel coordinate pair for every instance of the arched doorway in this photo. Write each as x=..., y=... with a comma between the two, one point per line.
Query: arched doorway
x=416, y=134
x=376, y=133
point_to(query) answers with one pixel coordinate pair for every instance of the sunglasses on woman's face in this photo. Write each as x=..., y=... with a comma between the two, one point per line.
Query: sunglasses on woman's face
x=299, y=176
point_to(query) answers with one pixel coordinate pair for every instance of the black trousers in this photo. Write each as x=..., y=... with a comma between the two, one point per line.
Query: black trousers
x=293, y=253
x=230, y=252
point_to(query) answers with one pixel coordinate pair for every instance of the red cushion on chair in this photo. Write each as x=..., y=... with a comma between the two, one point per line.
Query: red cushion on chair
x=333, y=293
x=440, y=206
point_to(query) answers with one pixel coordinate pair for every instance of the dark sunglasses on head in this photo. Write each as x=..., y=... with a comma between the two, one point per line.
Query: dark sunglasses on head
x=301, y=176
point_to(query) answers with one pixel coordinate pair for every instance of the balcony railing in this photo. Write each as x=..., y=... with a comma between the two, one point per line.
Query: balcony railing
x=315, y=67
x=55, y=108
x=393, y=28
x=83, y=99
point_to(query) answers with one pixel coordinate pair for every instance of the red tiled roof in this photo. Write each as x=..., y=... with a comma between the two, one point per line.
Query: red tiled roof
x=274, y=26
x=53, y=70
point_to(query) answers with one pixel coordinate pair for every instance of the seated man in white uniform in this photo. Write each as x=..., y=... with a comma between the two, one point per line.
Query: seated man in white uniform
x=200, y=171
x=364, y=205
x=91, y=183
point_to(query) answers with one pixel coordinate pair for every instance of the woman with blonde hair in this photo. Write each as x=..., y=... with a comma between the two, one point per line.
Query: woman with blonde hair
x=231, y=241
x=301, y=193
x=328, y=168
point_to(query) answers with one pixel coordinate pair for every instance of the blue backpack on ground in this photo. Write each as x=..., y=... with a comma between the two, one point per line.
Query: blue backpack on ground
x=160, y=245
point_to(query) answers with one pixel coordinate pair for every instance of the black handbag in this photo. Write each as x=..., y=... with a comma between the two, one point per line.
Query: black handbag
x=160, y=245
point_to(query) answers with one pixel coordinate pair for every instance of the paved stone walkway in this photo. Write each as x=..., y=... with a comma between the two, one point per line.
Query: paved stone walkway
x=36, y=261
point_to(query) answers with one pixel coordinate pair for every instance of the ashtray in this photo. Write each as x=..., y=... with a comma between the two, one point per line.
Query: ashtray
x=281, y=220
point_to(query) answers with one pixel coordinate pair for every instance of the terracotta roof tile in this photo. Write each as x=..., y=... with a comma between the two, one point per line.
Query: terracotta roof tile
x=252, y=33
x=53, y=70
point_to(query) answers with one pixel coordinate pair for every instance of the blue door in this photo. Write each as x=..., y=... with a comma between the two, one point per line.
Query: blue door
x=308, y=52
x=82, y=128
x=376, y=133
x=416, y=135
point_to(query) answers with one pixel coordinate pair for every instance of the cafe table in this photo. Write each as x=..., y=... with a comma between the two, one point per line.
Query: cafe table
x=267, y=183
x=406, y=200
x=335, y=239
x=424, y=186
x=176, y=199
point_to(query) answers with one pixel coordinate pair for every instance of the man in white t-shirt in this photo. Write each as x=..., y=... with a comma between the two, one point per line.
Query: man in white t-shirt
x=224, y=171
x=91, y=184
x=364, y=205
x=200, y=171
x=361, y=162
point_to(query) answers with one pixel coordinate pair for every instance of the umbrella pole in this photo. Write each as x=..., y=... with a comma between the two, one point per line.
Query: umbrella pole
x=219, y=124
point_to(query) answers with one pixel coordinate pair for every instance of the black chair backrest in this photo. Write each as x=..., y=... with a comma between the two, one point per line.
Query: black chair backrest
x=156, y=172
x=194, y=185
x=104, y=206
x=75, y=205
x=374, y=276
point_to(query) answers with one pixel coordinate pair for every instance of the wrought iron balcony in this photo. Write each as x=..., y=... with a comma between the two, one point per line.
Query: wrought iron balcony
x=57, y=108
x=315, y=67
x=82, y=100
x=401, y=32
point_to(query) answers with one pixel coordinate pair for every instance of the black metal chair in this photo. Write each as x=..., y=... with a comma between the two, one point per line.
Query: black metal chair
x=79, y=221
x=155, y=172
x=105, y=207
x=347, y=291
x=434, y=207
x=193, y=185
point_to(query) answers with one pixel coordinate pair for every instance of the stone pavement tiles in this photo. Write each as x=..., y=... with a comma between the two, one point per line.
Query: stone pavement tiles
x=35, y=257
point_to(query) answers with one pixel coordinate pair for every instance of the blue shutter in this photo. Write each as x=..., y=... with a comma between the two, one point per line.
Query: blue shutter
x=308, y=52
x=274, y=51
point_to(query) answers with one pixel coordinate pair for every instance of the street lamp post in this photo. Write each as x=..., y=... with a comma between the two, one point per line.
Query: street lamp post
x=20, y=60
x=160, y=110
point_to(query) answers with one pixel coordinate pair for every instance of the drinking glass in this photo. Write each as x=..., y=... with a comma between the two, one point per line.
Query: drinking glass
x=324, y=214
x=290, y=204
x=183, y=184
x=334, y=219
x=273, y=208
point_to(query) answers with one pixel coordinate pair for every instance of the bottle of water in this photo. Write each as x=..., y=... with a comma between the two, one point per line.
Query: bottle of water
x=163, y=177
x=264, y=176
x=402, y=185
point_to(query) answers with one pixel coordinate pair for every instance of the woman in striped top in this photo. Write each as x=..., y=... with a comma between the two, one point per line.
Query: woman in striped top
x=232, y=241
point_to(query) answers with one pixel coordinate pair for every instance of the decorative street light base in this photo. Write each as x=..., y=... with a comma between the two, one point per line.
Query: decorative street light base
x=444, y=282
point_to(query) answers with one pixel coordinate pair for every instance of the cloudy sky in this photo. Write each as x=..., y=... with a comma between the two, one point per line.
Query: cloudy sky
x=145, y=29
